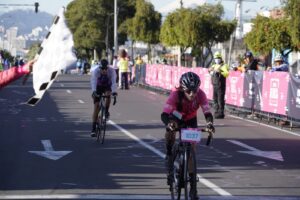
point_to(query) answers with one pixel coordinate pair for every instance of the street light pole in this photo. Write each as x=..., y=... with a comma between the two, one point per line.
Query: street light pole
x=116, y=27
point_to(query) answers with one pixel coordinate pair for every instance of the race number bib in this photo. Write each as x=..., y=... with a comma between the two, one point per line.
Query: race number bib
x=190, y=135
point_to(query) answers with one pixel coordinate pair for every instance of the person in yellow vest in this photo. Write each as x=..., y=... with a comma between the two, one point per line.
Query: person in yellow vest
x=138, y=67
x=219, y=72
x=123, y=70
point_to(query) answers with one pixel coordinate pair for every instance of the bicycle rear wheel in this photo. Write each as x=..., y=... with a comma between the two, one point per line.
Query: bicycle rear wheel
x=190, y=183
x=176, y=173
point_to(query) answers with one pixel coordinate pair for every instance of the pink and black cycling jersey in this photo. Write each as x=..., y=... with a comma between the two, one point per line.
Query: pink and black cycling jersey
x=189, y=108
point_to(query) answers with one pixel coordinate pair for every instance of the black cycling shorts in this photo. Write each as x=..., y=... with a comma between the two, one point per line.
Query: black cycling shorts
x=101, y=90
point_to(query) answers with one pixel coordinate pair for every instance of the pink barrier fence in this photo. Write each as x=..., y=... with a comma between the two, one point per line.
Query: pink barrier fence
x=257, y=90
x=275, y=92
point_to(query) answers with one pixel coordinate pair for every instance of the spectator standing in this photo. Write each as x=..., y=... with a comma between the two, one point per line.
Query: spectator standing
x=138, y=67
x=123, y=70
x=78, y=65
x=130, y=65
x=238, y=65
x=251, y=63
x=279, y=65
x=116, y=68
x=6, y=64
x=219, y=72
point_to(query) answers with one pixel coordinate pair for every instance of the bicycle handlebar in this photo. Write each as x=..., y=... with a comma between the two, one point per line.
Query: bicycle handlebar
x=209, y=137
x=107, y=96
x=180, y=124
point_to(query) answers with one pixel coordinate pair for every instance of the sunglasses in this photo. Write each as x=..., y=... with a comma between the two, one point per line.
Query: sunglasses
x=188, y=91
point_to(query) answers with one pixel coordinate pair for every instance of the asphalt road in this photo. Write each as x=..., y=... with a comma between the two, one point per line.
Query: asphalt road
x=46, y=151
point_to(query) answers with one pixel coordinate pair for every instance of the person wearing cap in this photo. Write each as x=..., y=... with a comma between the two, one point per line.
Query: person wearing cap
x=279, y=65
x=251, y=63
x=219, y=72
x=103, y=81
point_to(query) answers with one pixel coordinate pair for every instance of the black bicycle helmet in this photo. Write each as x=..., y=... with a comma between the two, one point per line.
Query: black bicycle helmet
x=190, y=81
x=104, y=63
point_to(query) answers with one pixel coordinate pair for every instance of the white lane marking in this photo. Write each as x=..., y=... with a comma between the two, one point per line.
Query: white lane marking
x=49, y=151
x=262, y=124
x=275, y=155
x=84, y=196
x=204, y=181
x=69, y=91
x=80, y=101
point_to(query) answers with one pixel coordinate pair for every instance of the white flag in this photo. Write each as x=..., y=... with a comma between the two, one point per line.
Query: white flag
x=55, y=54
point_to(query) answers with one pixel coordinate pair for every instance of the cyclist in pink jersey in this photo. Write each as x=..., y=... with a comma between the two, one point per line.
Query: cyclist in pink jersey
x=186, y=99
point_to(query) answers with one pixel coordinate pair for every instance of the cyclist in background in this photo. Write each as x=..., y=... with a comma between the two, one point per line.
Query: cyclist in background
x=186, y=99
x=103, y=81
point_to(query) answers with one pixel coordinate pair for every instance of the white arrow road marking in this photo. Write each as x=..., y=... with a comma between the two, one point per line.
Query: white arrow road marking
x=275, y=155
x=69, y=91
x=49, y=151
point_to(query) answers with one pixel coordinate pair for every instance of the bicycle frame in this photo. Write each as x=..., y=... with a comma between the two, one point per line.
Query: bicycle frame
x=184, y=163
x=183, y=154
x=101, y=121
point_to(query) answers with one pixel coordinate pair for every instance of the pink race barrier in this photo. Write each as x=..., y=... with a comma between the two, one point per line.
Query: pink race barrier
x=274, y=92
x=258, y=90
x=235, y=89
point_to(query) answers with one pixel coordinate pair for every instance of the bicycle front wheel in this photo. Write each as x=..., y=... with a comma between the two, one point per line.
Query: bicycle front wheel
x=103, y=125
x=190, y=166
x=98, y=131
x=176, y=182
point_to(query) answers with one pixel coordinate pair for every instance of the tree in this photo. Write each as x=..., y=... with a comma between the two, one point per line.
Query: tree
x=85, y=20
x=292, y=8
x=180, y=29
x=211, y=30
x=199, y=28
x=145, y=25
x=33, y=50
x=268, y=34
x=91, y=23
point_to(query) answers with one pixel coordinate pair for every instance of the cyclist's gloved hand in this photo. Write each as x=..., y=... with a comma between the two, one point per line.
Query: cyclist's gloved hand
x=172, y=125
x=210, y=127
x=94, y=94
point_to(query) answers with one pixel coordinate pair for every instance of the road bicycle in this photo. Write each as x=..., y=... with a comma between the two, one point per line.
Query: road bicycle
x=102, y=118
x=184, y=162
